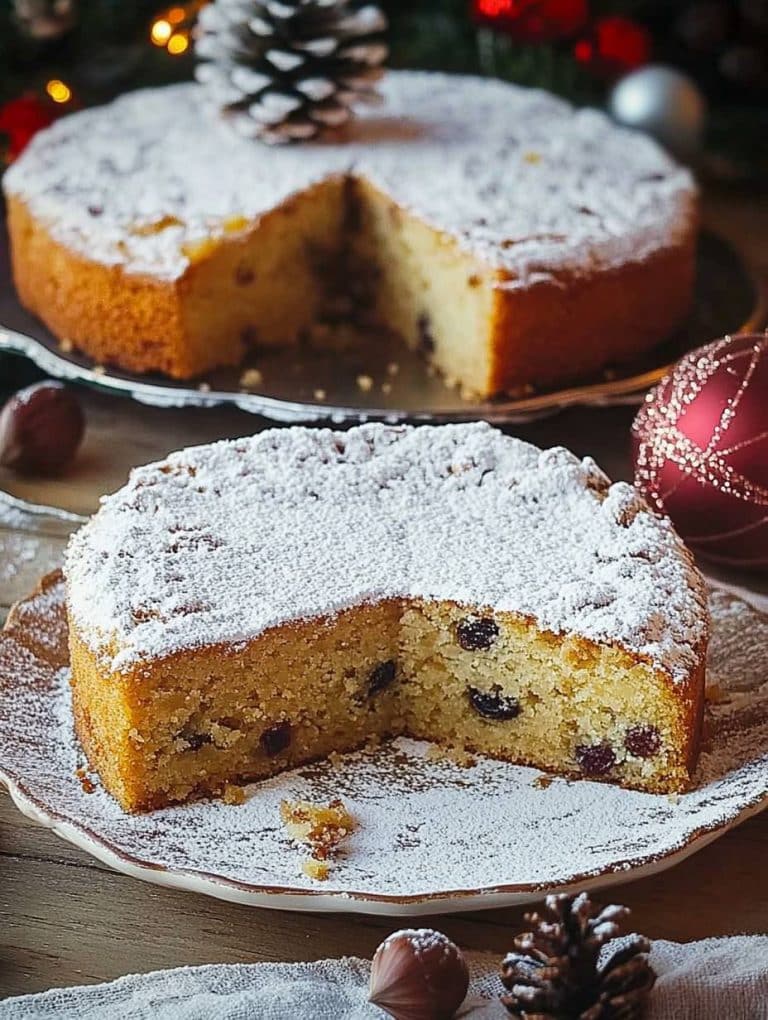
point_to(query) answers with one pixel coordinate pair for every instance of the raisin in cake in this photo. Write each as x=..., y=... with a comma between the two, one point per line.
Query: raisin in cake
x=513, y=239
x=243, y=607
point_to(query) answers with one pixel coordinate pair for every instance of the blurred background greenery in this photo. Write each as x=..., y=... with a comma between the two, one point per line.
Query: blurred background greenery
x=103, y=43
x=58, y=55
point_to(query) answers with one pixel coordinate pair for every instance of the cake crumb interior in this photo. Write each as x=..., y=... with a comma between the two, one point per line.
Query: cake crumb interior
x=306, y=691
x=273, y=283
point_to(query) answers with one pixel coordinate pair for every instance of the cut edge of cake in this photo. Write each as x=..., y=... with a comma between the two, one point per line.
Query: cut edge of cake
x=611, y=716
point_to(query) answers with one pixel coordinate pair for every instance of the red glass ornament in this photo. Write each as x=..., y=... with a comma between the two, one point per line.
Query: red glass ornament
x=614, y=46
x=701, y=450
x=533, y=21
x=21, y=119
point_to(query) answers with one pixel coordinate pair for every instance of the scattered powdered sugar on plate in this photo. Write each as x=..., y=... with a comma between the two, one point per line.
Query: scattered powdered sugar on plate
x=517, y=176
x=15, y=551
x=202, y=549
x=422, y=940
x=431, y=833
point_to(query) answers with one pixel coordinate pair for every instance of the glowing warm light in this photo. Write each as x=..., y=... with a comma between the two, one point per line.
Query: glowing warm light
x=171, y=29
x=161, y=32
x=58, y=91
x=177, y=44
x=584, y=51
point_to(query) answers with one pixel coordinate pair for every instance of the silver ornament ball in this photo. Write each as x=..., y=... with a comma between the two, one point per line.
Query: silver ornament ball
x=664, y=103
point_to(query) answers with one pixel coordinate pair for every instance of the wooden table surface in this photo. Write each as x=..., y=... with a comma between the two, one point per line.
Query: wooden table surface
x=66, y=919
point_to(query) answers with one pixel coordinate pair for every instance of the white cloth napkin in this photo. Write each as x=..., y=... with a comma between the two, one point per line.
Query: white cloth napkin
x=721, y=979
x=717, y=979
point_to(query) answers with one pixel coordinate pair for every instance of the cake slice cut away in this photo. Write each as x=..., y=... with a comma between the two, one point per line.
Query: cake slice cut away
x=252, y=605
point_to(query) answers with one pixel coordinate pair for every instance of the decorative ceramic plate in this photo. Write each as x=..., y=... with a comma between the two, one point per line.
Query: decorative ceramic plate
x=727, y=300
x=433, y=836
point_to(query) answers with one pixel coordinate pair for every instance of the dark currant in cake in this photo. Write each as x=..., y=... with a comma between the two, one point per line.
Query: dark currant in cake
x=476, y=633
x=595, y=759
x=493, y=704
x=276, y=739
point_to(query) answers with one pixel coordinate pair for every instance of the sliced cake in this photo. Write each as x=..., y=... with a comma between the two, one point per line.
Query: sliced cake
x=243, y=607
x=511, y=238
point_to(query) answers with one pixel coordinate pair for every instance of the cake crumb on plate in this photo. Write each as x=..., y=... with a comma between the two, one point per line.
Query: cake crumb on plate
x=321, y=827
x=318, y=870
x=251, y=377
x=233, y=794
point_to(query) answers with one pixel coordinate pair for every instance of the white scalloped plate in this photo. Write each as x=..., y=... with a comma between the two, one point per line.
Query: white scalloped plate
x=433, y=837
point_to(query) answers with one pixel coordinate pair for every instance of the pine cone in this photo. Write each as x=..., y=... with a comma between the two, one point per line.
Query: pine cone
x=286, y=69
x=559, y=973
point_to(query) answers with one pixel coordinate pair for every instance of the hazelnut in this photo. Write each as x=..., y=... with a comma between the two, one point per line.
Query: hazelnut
x=41, y=428
x=418, y=974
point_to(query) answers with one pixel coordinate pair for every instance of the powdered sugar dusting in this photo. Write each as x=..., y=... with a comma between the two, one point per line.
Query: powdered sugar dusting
x=15, y=552
x=426, y=827
x=516, y=175
x=219, y=543
x=422, y=940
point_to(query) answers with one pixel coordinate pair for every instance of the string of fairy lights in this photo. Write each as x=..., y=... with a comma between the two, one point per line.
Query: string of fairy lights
x=58, y=91
x=170, y=30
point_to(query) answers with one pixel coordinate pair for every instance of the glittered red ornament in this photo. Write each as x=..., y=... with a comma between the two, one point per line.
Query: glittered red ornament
x=701, y=450
x=21, y=119
x=614, y=46
x=533, y=21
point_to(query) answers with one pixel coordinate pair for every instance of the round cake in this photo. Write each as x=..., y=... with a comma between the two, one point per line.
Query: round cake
x=514, y=240
x=247, y=606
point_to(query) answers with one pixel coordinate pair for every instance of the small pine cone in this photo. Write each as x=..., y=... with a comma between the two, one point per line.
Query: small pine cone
x=286, y=69
x=560, y=972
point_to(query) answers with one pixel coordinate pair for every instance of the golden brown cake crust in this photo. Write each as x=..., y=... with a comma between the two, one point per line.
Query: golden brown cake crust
x=563, y=330
x=132, y=322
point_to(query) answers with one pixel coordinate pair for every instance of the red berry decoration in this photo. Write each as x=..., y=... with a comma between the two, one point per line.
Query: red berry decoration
x=419, y=974
x=21, y=119
x=614, y=46
x=701, y=450
x=41, y=428
x=533, y=21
